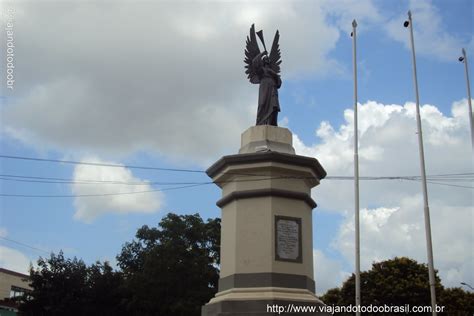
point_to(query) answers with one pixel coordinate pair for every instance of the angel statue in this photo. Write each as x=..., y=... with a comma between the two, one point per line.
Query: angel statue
x=264, y=69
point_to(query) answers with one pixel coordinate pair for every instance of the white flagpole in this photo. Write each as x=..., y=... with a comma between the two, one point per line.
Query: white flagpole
x=429, y=245
x=464, y=59
x=356, y=175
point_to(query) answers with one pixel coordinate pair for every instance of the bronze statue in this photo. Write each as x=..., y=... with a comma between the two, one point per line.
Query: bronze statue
x=264, y=69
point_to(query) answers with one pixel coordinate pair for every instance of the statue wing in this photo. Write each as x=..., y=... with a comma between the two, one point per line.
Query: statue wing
x=275, y=56
x=251, y=50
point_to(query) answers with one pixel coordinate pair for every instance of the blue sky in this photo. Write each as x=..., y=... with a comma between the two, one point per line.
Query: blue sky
x=163, y=85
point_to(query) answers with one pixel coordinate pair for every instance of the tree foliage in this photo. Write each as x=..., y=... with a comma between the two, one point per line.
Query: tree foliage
x=68, y=287
x=397, y=282
x=171, y=269
x=457, y=301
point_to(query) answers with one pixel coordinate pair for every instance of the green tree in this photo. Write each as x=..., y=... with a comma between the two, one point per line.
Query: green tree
x=68, y=287
x=58, y=287
x=172, y=269
x=457, y=301
x=105, y=291
x=168, y=270
x=397, y=282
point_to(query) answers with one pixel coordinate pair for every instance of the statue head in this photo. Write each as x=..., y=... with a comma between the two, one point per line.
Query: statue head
x=266, y=61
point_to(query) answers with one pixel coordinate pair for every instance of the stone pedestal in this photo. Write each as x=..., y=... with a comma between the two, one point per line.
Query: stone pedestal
x=266, y=239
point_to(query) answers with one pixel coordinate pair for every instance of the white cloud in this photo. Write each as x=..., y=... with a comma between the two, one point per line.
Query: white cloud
x=392, y=222
x=431, y=38
x=110, y=78
x=387, y=233
x=388, y=146
x=113, y=179
x=328, y=273
x=283, y=122
x=345, y=11
x=14, y=260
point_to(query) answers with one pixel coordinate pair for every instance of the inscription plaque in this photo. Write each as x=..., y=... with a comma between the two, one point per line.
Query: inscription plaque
x=288, y=243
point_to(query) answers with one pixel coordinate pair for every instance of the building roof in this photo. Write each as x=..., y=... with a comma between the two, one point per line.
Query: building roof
x=18, y=274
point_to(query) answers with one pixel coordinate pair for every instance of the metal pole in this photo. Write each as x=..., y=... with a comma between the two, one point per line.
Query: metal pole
x=429, y=245
x=356, y=175
x=465, y=284
x=468, y=96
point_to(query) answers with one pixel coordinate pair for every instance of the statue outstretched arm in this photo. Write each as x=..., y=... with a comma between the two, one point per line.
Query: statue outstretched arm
x=257, y=65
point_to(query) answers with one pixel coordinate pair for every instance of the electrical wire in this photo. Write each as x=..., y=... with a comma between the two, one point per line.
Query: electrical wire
x=184, y=187
x=70, y=181
x=102, y=194
x=100, y=164
x=433, y=179
x=203, y=171
x=465, y=177
x=24, y=245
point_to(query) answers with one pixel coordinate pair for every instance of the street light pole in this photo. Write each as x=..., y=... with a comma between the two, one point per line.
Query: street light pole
x=463, y=59
x=426, y=207
x=356, y=175
x=465, y=284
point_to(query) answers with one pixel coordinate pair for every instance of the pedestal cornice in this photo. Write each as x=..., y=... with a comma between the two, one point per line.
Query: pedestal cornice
x=295, y=160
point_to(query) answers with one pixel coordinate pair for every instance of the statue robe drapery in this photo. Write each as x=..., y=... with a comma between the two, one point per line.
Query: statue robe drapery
x=268, y=103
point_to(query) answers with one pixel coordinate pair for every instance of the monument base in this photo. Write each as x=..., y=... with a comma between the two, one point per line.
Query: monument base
x=266, y=239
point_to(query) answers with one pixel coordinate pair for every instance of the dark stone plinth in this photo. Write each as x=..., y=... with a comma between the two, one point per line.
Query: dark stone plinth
x=266, y=280
x=258, y=308
x=236, y=195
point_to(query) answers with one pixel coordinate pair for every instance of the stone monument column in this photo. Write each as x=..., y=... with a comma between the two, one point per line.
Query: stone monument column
x=266, y=235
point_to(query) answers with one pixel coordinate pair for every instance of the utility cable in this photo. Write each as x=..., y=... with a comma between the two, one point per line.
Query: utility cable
x=24, y=245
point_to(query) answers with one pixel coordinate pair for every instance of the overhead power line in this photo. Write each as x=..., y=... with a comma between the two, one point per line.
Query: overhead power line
x=199, y=184
x=24, y=245
x=100, y=164
x=438, y=179
x=449, y=185
x=100, y=194
x=53, y=180
x=457, y=177
x=48, y=180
